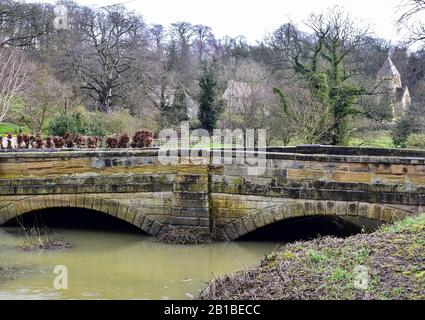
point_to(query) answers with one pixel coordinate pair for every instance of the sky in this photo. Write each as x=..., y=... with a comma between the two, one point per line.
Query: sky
x=256, y=18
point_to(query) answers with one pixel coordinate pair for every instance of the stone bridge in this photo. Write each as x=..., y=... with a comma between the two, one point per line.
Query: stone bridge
x=133, y=185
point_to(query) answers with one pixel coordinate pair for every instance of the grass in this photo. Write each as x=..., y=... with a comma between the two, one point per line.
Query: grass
x=389, y=264
x=380, y=140
x=6, y=128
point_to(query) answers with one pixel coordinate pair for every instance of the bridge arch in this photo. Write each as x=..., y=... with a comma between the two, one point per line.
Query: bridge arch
x=114, y=208
x=290, y=209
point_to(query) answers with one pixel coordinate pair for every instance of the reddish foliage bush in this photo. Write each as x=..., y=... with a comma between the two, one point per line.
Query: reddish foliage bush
x=80, y=141
x=39, y=142
x=69, y=142
x=59, y=142
x=20, y=140
x=27, y=140
x=123, y=140
x=142, y=139
x=111, y=142
x=91, y=143
x=49, y=143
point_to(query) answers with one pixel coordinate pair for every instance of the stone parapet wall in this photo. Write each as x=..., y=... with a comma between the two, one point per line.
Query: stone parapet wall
x=133, y=185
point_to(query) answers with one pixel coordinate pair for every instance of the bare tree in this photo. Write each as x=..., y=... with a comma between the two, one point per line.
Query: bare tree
x=24, y=24
x=249, y=95
x=13, y=75
x=413, y=20
x=106, y=55
x=44, y=98
x=204, y=37
x=305, y=116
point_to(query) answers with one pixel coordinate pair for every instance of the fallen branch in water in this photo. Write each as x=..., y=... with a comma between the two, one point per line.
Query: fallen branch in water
x=181, y=235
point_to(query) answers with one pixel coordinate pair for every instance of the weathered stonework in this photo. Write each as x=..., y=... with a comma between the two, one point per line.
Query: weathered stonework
x=132, y=185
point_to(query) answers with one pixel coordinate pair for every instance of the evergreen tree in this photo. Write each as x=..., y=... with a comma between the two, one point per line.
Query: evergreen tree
x=179, y=110
x=210, y=101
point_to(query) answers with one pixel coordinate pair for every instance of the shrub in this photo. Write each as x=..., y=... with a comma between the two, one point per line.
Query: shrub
x=404, y=126
x=95, y=125
x=72, y=122
x=49, y=143
x=69, y=142
x=20, y=140
x=91, y=143
x=119, y=122
x=111, y=142
x=80, y=141
x=59, y=142
x=416, y=141
x=123, y=140
x=142, y=139
x=27, y=140
x=39, y=142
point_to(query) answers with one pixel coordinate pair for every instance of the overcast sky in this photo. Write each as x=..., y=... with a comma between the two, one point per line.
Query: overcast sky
x=255, y=18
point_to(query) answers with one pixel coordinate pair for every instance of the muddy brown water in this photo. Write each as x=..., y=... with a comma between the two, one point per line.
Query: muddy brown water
x=120, y=265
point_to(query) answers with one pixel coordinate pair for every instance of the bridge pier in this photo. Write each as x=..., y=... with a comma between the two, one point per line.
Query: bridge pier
x=190, y=202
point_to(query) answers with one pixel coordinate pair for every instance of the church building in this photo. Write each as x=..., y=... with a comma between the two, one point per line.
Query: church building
x=391, y=87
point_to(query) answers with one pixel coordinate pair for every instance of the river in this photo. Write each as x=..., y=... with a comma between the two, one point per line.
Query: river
x=120, y=265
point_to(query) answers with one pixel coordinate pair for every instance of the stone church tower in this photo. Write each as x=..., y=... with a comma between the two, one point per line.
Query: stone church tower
x=391, y=89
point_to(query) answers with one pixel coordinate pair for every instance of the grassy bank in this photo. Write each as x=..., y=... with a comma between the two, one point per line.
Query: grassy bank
x=329, y=268
x=6, y=128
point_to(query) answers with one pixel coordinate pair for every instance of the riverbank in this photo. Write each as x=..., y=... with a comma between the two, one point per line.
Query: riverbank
x=330, y=268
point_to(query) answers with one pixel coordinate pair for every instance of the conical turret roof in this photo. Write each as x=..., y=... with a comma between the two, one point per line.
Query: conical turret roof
x=388, y=70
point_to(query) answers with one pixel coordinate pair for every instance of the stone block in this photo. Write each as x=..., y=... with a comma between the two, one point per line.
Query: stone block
x=113, y=208
x=268, y=217
x=359, y=177
x=341, y=208
x=139, y=220
x=122, y=211
x=375, y=212
x=230, y=231
x=352, y=209
x=331, y=208
x=131, y=215
x=147, y=224
x=309, y=208
x=258, y=220
x=387, y=214
x=363, y=210
x=248, y=223
x=320, y=207
x=155, y=229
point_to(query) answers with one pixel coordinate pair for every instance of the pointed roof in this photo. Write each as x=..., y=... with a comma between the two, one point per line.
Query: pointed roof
x=388, y=70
